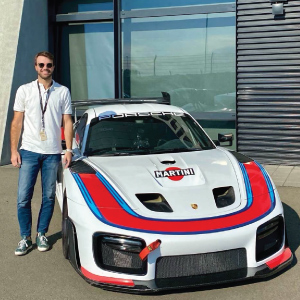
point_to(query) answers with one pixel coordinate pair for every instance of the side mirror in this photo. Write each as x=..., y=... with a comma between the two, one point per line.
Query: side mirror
x=226, y=137
x=216, y=142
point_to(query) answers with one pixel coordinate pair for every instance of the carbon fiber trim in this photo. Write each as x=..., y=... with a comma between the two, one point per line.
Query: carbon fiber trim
x=240, y=157
x=81, y=167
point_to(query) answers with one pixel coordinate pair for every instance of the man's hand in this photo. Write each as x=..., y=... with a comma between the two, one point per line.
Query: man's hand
x=68, y=130
x=15, y=159
x=67, y=159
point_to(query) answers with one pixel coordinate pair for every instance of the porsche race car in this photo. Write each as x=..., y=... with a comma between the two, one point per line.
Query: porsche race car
x=150, y=202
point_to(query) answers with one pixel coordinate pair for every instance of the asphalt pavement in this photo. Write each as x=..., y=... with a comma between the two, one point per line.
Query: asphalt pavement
x=49, y=276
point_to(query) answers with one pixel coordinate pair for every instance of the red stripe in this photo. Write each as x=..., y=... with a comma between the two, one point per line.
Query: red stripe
x=109, y=280
x=115, y=214
x=280, y=259
x=62, y=133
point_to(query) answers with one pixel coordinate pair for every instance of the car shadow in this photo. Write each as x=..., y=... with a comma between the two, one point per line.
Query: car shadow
x=54, y=238
x=292, y=222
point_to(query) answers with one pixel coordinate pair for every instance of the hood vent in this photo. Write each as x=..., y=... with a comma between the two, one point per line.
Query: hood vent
x=166, y=159
x=155, y=202
x=224, y=196
x=168, y=162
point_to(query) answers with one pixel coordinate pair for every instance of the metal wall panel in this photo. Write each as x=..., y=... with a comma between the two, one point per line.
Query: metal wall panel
x=268, y=82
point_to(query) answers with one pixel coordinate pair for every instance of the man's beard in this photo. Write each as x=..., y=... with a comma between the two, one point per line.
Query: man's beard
x=45, y=77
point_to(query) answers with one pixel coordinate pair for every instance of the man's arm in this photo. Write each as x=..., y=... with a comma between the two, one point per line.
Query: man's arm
x=68, y=130
x=15, y=132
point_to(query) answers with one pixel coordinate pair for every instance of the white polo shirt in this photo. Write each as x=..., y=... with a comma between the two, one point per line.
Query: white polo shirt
x=28, y=101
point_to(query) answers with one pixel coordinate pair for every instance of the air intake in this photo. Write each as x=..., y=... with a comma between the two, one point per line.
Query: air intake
x=224, y=196
x=155, y=202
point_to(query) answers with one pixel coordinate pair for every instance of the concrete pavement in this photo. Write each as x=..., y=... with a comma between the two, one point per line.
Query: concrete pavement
x=284, y=175
x=49, y=276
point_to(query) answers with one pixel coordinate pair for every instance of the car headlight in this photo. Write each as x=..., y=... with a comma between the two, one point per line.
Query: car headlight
x=119, y=254
x=269, y=238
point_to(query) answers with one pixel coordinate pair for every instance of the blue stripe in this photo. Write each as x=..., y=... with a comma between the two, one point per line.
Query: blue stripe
x=247, y=185
x=125, y=206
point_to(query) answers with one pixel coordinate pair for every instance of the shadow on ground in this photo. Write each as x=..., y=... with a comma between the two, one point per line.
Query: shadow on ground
x=54, y=238
x=292, y=222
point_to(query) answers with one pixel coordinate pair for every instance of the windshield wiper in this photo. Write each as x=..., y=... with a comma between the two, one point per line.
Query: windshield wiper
x=131, y=152
x=174, y=150
x=108, y=150
x=116, y=151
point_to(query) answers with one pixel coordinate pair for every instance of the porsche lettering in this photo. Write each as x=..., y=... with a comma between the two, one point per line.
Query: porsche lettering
x=145, y=114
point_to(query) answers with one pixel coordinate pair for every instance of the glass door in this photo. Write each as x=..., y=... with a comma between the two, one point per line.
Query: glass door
x=87, y=60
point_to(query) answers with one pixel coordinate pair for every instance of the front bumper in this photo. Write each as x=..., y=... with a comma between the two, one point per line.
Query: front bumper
x=268, y=269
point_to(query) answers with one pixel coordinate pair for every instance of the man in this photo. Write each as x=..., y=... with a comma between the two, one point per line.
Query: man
x=42, y=106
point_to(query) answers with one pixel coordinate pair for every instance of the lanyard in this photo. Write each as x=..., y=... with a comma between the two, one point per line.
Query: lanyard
x=41, y=103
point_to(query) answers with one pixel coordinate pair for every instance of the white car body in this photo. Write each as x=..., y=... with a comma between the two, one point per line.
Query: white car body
x=197, y=243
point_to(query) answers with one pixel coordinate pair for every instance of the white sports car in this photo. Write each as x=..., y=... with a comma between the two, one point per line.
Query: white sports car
x=150, y=203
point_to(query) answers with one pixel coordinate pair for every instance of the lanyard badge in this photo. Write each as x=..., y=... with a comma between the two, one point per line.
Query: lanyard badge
x=43, y=135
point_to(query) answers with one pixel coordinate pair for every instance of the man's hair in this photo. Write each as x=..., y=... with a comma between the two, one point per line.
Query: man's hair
x=44, y=53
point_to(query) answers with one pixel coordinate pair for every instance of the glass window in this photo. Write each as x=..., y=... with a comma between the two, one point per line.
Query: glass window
x=73, y=6
x=144, y=4
x=80, y=129
x=197, y=69
x=145, y=134
x=87, y=60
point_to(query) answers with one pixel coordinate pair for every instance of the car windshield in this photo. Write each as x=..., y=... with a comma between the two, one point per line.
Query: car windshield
x=145, y=133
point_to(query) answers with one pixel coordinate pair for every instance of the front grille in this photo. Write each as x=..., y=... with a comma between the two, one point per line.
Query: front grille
x=201, y=268
x=120, y=259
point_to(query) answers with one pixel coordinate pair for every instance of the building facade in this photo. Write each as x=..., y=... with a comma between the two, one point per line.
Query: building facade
x=224, y=62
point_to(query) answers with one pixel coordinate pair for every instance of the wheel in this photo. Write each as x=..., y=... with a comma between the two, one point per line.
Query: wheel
x=64, y=230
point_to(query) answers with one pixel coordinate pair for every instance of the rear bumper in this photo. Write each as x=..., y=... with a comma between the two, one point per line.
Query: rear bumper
x=270, y=268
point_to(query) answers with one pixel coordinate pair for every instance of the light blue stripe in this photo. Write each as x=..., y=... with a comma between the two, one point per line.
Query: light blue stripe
x=247, y=185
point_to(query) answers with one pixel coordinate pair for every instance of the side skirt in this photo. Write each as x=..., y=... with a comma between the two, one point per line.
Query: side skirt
x=73, y=247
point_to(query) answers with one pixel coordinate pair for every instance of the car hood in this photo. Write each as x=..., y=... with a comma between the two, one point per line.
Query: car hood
x=186, y=180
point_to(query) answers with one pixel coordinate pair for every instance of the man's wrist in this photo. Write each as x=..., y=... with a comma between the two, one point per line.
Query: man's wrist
x=69, y=150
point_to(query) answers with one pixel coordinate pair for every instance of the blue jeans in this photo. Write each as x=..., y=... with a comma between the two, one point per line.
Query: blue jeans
x=31, y=164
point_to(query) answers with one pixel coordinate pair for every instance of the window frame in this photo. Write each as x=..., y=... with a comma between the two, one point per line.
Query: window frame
x=116, y=17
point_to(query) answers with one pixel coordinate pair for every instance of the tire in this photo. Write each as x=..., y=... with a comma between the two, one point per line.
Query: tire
x=64, y=230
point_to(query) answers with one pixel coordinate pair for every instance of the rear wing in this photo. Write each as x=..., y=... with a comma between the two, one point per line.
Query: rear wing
x=165, y=99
